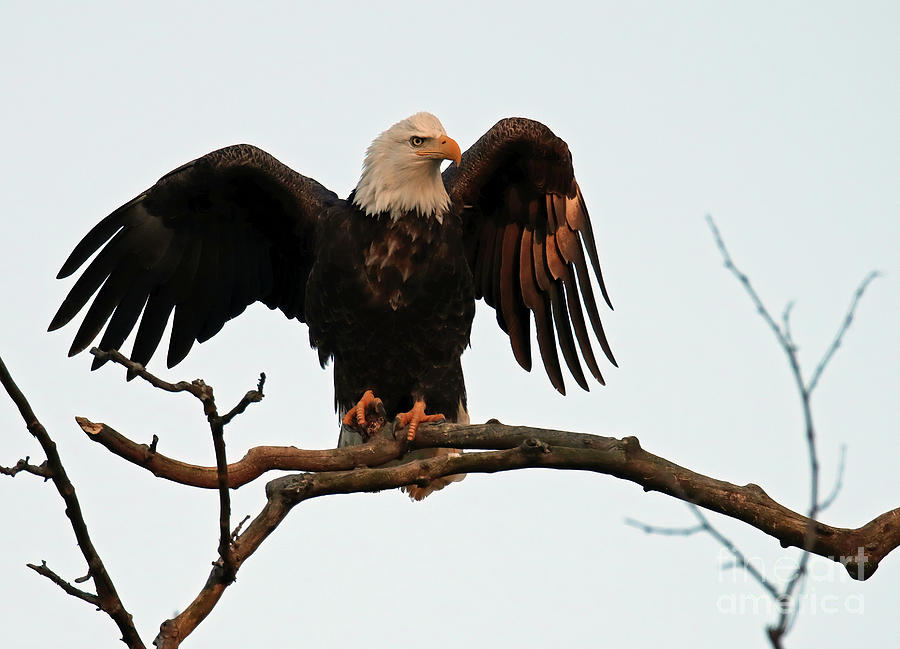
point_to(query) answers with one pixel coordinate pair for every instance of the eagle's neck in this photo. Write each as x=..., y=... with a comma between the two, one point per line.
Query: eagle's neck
x=399, y=187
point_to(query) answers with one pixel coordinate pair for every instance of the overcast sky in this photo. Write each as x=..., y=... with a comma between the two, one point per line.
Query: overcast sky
x=782, y=120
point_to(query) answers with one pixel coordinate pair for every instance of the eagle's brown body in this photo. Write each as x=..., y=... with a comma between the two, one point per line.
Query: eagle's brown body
x=378, y=282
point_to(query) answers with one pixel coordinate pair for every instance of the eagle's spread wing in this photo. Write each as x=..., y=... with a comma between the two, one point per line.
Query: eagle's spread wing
x=210, y=238
x=528, y=238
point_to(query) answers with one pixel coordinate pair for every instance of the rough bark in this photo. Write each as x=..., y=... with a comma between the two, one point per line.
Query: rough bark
x=351, y=469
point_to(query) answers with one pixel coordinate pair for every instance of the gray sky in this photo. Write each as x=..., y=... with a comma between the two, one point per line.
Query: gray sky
x=779, y=119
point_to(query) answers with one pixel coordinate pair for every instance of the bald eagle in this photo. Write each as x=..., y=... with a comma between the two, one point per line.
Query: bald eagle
x=386, y=279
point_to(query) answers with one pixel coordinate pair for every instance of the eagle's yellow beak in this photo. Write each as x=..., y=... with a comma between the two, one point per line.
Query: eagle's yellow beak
x=450, y=149
x=447, y=149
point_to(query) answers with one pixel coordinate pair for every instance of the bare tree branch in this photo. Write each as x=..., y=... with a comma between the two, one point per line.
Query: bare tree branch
x=623, y=458
x=240, y=526
x=838, y=481
x=42, y=569
x=845, y=325
x=107, y=598
x=785, y=339
x=754, y=297
x=665, y=531
x=195, y=388
x=784, y=336
x=805, y=390
x=739, y=559
x=205, y=394
x=24, y=465
x=253, y=396
x=256, y=462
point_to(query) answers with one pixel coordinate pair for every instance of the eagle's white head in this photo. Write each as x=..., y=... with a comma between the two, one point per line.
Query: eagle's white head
x=402, y=169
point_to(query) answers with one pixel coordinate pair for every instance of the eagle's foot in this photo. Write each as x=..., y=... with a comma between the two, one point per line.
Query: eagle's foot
x=415, y=417
x=367, y=416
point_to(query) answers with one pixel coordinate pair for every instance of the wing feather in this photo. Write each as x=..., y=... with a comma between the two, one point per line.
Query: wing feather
x=550, y=206
x=562, y=271
x=523, y=215
x=572, y=252
x=135, y=299
x=566, y=314
x=587, y=235
x=96, y=237
x=536, y=300
x=484, y=268
x=222, y=288
x=564, y=332
x=209, y=238
x=190, y=313
x=153, y=323
x=514, y=313
x=112, y=291
x=541, y=272
x=493, y=297
x=92, y=278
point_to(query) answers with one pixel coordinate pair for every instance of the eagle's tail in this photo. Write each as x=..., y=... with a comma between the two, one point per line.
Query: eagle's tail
x=417, y=492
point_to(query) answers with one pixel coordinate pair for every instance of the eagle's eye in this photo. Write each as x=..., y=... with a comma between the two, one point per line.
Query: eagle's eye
x=415, y=140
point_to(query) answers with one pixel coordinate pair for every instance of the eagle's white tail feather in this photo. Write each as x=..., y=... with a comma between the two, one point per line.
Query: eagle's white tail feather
x=418, y=493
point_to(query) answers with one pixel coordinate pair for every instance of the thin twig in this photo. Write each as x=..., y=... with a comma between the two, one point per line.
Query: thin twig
x=739, y=559
x=745, y=281
x=253, y=396
x=42, y=569
x=838, y=481
x=665, y=531
x=197, y=388
x=237, y=530
x=107, y=598
x=41, y=470
x=845, y=325
x=786, y=325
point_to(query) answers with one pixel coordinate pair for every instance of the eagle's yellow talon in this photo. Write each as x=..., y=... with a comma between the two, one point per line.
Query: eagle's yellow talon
x=356, y=416
x=415, y=417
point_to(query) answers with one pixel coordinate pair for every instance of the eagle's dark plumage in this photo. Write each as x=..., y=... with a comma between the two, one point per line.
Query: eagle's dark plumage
x=391, y=272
